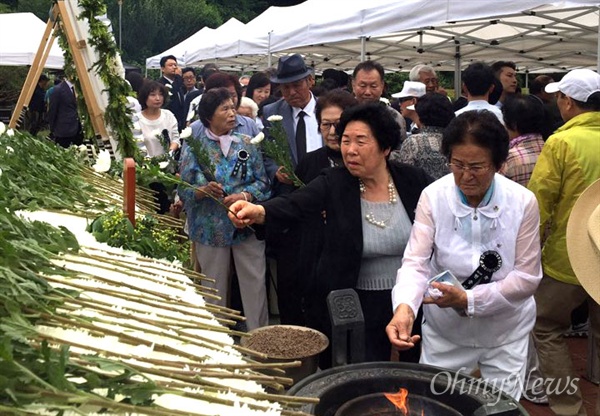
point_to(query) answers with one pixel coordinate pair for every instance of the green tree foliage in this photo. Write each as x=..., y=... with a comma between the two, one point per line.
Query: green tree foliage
x=41, y=8
x=152, y=26
x=242, y=10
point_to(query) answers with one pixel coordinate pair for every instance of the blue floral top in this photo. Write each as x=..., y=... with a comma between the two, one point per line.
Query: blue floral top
x=207, y=220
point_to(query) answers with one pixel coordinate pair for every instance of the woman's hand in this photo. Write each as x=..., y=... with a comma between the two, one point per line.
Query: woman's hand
x=243, y=213
x=400, y=327
x=230, y=199
x=213, y=189
x=452, y=297
x=282, y=176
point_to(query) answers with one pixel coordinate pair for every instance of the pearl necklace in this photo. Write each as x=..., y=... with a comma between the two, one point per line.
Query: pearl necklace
x=391, y=198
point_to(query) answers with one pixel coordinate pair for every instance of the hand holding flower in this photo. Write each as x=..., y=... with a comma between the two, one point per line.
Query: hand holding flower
x=243, y=214
x=283, y=177
x=212, y=189
x=230, y=199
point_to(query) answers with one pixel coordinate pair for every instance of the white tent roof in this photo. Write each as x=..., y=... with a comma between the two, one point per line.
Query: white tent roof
x=184, y=51
x=538, y=35
x=20, y=37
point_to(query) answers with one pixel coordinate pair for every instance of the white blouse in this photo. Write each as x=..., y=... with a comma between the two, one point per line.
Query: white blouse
x=151, y=128
x=449, y=235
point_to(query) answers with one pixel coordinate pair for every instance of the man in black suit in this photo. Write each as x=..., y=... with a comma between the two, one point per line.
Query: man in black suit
x=296, y=80
x=65, y=127
x=174, y=82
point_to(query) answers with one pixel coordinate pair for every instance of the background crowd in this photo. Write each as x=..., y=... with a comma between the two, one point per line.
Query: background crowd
x=478, y=190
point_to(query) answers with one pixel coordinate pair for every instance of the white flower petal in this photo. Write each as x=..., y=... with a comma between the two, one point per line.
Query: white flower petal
x=9, y=149
x=163, y=165
x=258, y=138
x=10, y=132
x=2, y=127
x=0, y=171
x=185, y=133
x=274, y=117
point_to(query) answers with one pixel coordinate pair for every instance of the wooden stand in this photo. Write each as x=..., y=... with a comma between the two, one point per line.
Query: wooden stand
x=129, y=189
x=65, y=17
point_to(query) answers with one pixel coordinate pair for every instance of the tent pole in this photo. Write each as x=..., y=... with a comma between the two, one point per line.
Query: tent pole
x=269, y=51
x=457, y=74
x=363, y=47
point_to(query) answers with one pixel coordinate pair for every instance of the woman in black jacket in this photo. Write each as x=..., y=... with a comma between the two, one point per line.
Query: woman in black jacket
x=366, y=228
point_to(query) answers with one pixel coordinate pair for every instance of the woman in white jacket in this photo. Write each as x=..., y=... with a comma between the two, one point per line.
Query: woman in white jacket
x=483, y=228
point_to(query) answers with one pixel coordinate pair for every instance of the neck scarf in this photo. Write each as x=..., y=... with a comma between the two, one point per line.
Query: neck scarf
x=224, y=141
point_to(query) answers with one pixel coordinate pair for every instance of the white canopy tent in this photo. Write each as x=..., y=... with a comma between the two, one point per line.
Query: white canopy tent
x=538, y=35
x=20, y=38
x=184, y=51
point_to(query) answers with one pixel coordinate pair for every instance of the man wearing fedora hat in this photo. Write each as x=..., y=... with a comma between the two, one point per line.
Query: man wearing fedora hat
x=568, y=164
x=297, y=108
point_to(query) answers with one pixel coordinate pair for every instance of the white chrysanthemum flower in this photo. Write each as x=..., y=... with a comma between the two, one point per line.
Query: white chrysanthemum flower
x=102, y=162
x=9, y=149
x=2, y=128
x=136, y=126
x=274, y=117
x=185, y=133
x=10, y=132
x=258, y=138
x=82, y=148
x=163, y=165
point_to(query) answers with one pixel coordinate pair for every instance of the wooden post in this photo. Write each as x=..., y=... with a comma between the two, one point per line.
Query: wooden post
x=129, y=189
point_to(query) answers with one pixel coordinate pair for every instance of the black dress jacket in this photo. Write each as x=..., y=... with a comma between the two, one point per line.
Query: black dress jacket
x=337, y=192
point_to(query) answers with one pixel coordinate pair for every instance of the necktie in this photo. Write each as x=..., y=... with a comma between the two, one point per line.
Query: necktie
x=300, y=136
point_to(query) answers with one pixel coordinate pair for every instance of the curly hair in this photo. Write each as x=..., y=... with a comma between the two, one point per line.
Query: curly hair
x=210, y=101
x=378, y=118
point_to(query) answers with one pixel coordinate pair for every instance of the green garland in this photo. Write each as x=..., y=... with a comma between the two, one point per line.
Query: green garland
x=116, y=114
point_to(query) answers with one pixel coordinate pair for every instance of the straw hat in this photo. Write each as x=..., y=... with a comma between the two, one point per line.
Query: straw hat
x=583, y=240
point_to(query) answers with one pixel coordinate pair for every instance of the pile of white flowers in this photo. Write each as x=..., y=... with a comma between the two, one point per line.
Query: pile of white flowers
x=152, y=318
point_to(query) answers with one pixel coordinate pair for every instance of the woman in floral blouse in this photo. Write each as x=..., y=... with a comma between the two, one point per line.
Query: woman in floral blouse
x=423, y=149
x=225, y=167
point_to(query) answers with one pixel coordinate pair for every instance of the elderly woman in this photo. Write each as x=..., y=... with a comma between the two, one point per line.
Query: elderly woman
x=158, y=126
x=238, y=175
x=423, y=149
x=369, y=208
x=483, y=228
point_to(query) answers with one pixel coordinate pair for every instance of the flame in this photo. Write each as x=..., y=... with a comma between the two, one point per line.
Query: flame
x=400, y=400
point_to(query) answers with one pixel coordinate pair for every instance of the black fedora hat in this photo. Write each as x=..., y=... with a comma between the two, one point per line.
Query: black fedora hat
x=290, y=68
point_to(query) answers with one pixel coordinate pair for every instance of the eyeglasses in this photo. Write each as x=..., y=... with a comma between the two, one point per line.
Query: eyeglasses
x=474, y=169
x=326, y=125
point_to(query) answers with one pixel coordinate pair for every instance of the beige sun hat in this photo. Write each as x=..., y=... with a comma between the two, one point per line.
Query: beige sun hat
x=583, y=239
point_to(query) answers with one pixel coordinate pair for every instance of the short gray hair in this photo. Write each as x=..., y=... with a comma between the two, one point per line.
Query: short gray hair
x=417, y=69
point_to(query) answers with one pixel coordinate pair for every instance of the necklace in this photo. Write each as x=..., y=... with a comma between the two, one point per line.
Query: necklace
x=369, y=216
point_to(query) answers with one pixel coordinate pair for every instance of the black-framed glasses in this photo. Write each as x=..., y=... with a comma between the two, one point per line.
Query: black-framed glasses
x=474, y=169
x=326, y=125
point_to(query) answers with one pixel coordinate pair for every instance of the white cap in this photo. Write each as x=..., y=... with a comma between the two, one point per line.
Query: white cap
x=578, y=84
x=411, y=89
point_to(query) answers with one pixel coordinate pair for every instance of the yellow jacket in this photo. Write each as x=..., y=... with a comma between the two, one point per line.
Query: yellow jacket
x=568, y=164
